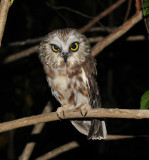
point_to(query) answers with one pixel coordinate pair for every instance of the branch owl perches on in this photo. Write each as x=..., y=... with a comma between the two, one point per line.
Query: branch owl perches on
x=71, y=71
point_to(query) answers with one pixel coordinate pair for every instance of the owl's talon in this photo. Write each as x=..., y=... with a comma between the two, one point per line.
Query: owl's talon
x=84, y=109
x=83, y=115
x=60, y=113
x=58, y=116
x=61, y=110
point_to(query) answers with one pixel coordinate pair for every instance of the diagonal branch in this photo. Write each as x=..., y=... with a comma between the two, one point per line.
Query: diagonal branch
x=69, y=9
x=4, y=7
x=101, y=15
x=72, y=145
x=59, y=150
x=116, y=34
x=21, y=54
x=92, y=113
x=36, y=130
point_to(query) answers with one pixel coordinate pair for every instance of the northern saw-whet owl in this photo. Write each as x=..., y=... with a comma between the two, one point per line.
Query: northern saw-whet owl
x=71, y=72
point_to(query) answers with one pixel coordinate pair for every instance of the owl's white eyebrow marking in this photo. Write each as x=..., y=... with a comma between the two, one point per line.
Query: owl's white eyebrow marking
x=71, y=39
x=56, y=40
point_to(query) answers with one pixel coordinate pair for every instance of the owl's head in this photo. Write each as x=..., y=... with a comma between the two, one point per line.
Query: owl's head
x=64, y=46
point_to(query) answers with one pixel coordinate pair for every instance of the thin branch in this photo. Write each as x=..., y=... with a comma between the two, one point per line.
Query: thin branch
x=118, y=137
x=101, y=29
x=116, y=34
x=138, y=5
x=92, y=113
x=59, y=150
x=25, y=42
x=128, y=10
x=36, y=130
x=4, y=7
x=21, y=54
x=74, y=144
x=101, y=15
x=76, y=12
x=129, y=38
x=69, y=9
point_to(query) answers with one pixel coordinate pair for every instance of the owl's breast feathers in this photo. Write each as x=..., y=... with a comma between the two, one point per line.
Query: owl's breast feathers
x=70, y=85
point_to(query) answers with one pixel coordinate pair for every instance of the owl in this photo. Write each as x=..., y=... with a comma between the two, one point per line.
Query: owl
x=71, y=71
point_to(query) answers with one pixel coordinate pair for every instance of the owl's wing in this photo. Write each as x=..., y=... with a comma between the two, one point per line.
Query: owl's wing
x=97, y=129
x=90, y=70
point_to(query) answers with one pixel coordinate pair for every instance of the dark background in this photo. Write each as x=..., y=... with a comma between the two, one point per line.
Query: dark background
x=122, y=77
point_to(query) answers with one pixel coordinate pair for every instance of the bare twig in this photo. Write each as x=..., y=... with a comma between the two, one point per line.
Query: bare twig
x=74, y=144
x=96, y=113
x=101, y=15
x=128, y=10
x=4, y=7
x=138, y=5
x=116, y=34
x=19, y=55
x=119, y=137
x=59, y=150
x=69, y=9
x=136, y=38
x=27, y=41
x=130, y=38
x=101, y=29
x=36, y=130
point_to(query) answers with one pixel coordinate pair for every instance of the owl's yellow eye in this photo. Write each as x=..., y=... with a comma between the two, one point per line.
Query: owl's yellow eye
x=55, y=48
x=74, y=46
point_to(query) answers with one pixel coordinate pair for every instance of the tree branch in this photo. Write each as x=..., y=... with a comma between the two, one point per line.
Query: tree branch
x=129, y=38
x=116, y=34
x=128, y=10
x=36, y=130
x=71, y=145
x=69, y=9
x=59, y=150
x=92, y=113
x=4, y=7
x=27, y=41
x=101, y=15
x=21, y=54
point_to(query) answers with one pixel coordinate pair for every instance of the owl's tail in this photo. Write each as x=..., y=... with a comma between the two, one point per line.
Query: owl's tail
x=94, y=129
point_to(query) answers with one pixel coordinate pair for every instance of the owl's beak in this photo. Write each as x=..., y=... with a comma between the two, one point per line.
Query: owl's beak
x=65, y=56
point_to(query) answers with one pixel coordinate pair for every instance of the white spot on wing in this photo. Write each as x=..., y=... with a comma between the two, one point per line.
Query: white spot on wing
x=85, y=79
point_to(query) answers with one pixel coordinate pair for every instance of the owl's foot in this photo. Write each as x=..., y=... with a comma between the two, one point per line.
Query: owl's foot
x=84, y=109
x=61, y=111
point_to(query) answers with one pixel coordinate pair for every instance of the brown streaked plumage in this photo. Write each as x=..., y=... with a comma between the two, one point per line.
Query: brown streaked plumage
x=71, y=72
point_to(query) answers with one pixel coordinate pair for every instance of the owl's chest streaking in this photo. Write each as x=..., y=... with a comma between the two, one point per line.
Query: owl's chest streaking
x=70, y=86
